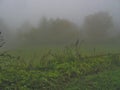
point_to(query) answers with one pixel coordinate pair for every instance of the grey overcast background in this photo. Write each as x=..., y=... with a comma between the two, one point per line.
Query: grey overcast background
x=14, y=12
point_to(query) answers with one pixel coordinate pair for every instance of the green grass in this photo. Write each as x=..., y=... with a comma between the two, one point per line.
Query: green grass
x=108, y=80
x=58, y=69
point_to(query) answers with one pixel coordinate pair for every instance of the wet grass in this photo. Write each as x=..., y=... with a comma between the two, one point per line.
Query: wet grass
x=67, y=68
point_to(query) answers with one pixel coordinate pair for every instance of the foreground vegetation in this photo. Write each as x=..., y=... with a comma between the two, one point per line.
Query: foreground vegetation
x=60, y=69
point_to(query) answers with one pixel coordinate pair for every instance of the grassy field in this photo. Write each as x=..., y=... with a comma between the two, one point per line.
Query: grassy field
x=68, y=68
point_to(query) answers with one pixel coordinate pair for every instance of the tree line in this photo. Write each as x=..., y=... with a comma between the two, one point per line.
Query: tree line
x=95, y=28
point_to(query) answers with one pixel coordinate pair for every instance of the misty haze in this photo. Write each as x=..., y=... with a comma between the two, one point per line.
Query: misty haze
x=59, y=44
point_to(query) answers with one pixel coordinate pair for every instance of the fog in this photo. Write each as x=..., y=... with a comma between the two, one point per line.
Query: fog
x=59, y=44
x=17, y=12
x=14, y=12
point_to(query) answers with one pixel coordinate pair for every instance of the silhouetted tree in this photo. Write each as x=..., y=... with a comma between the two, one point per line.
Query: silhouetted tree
x=2, y=42
x=52, y=31
x=97, y=25
x=3, y=29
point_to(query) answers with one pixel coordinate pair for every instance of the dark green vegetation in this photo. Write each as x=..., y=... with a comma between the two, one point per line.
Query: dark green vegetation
x=59, y=69
x=108, y=80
